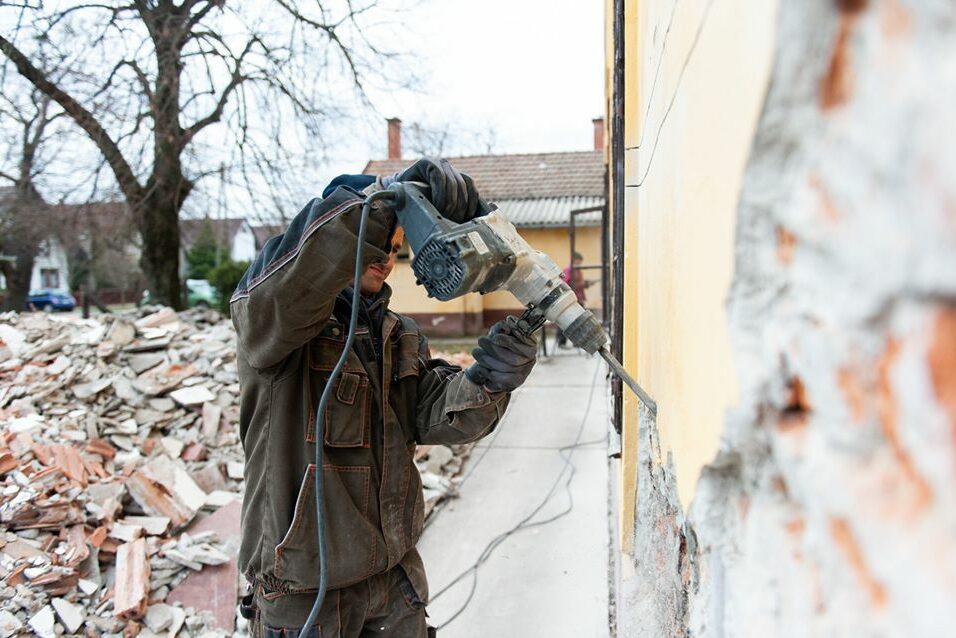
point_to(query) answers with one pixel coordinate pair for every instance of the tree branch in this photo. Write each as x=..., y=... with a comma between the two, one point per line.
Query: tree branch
x=216, y=114
x=83, y=118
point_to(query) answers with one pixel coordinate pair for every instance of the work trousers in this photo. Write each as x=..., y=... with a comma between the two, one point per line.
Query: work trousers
x=384, y=605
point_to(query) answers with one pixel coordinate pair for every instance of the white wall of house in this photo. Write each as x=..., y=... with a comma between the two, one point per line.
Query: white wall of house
x=51, y=269
x=243, y=244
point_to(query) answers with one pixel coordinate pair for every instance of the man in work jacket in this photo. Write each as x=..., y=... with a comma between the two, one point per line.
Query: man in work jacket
x=291, y=313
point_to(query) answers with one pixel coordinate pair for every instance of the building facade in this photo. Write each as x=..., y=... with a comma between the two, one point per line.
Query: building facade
x=783, y=288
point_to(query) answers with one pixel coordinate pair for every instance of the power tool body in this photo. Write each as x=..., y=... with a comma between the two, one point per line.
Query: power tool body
x=487, y=254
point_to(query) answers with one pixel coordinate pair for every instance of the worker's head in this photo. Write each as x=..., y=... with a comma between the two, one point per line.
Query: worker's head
x=577, y=259
x=376, y=274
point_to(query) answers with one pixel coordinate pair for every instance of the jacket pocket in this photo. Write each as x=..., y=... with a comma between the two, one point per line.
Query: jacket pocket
x=348, y=413
x=325, y=349
x=348, y=410
x=350, y=537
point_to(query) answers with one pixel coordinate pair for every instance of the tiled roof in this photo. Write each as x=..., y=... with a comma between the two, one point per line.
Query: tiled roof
x=266, y=231
x=550, y=212
x=525, y=176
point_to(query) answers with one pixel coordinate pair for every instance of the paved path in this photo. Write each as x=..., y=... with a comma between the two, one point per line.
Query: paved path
x=547, y=580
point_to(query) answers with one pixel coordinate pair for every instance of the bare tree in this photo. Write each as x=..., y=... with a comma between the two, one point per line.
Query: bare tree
x=174, y=89
x=447, y=138
x=25, y=220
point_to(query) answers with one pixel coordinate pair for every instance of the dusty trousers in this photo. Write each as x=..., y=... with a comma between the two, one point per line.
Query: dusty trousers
x=383, y=605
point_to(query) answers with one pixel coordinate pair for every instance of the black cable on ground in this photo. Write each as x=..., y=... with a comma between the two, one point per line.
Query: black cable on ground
x=524, y=523
x=320, y=411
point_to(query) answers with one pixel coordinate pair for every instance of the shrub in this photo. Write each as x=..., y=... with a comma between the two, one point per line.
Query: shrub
x=225, y=277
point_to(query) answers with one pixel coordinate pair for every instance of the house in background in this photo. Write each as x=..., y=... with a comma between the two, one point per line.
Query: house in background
x=537, y=192
x=51, y=268
x=264, y=232
x=235, y=234
x=104, y=248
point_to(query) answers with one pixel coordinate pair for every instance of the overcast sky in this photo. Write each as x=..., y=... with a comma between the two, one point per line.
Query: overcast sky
x=531, y=70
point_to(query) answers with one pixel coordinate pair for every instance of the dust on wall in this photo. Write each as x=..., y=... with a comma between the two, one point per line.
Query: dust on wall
x=831, y=507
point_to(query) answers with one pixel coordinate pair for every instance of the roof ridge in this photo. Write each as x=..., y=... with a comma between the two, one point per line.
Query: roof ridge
x=488, y=155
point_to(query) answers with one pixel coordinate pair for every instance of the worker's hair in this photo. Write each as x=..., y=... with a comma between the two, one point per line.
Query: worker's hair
x=577, y=257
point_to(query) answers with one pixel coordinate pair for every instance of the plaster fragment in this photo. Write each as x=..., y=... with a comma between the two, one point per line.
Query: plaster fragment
x=848, y=544
x=889, y=420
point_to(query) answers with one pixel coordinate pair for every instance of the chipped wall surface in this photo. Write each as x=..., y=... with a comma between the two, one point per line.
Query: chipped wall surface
x=830, y=508
x=695, y=78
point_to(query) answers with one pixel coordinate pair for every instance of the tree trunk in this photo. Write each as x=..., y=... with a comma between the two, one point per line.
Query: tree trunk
x=159, y=226
x=18, y=277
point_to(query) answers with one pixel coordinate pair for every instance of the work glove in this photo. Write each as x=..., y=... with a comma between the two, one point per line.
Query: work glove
x=504, y=358
x=452, y=193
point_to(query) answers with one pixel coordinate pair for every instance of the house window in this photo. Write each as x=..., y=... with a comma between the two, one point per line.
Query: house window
x=49, y=278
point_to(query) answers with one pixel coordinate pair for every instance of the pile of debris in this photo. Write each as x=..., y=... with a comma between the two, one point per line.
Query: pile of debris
x=121, y=474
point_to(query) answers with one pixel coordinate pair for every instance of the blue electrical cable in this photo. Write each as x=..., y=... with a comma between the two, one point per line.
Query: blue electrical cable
x=320, y=412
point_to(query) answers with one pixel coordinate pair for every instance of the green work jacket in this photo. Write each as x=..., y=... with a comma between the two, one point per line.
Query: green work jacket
x=390, y=397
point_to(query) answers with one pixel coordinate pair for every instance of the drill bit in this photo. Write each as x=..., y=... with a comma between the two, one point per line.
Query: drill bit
x=619, y=370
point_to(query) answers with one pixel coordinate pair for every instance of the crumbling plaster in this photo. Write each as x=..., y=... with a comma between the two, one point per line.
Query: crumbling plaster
x=830, y=508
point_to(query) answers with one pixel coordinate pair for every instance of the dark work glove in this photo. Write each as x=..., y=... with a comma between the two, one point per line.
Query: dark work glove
x=452, y=193
x=504, y=358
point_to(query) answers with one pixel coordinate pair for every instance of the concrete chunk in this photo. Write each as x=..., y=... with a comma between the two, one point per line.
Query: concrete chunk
x=70, y=615
x=162, y=487
x=43, y=622
x=193, y=395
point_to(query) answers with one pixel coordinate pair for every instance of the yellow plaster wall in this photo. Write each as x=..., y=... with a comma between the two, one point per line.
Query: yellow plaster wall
x=683, y=177
x=408, y=297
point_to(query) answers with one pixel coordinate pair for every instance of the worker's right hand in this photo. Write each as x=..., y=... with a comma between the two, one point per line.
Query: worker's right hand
x=504, y=358
x=451, y=192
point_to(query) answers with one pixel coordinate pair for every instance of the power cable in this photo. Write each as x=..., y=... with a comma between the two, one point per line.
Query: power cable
x=524, y=523
x=320, y=411
x=670, y=106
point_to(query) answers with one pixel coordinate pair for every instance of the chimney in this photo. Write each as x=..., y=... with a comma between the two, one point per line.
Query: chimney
x=394, y=138
x=598, y=133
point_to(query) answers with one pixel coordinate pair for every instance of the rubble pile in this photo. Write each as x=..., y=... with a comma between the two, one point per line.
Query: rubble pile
x=439, y=465
x=115, y=435
x=121, y=474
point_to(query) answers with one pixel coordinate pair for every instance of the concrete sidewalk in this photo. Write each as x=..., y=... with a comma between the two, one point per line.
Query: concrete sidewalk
x=546, y=580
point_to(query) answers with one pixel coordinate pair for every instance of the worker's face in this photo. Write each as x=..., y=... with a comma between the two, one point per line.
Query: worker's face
x=376, y=274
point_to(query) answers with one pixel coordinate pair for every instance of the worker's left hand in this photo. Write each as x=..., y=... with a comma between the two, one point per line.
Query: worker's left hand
x=452, y=193
x=504, y=358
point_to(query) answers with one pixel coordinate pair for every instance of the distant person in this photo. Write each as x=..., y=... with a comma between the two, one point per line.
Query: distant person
x=575, y=278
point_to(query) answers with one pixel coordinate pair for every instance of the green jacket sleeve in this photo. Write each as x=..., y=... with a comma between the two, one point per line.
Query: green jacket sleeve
x=452, y=409
x=287, y=294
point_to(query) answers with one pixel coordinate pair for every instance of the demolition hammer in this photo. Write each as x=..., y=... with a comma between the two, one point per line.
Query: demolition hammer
x=487, y=254
x=481, y=255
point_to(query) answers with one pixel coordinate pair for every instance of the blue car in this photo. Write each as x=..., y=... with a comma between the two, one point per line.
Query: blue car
x=49, y=299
